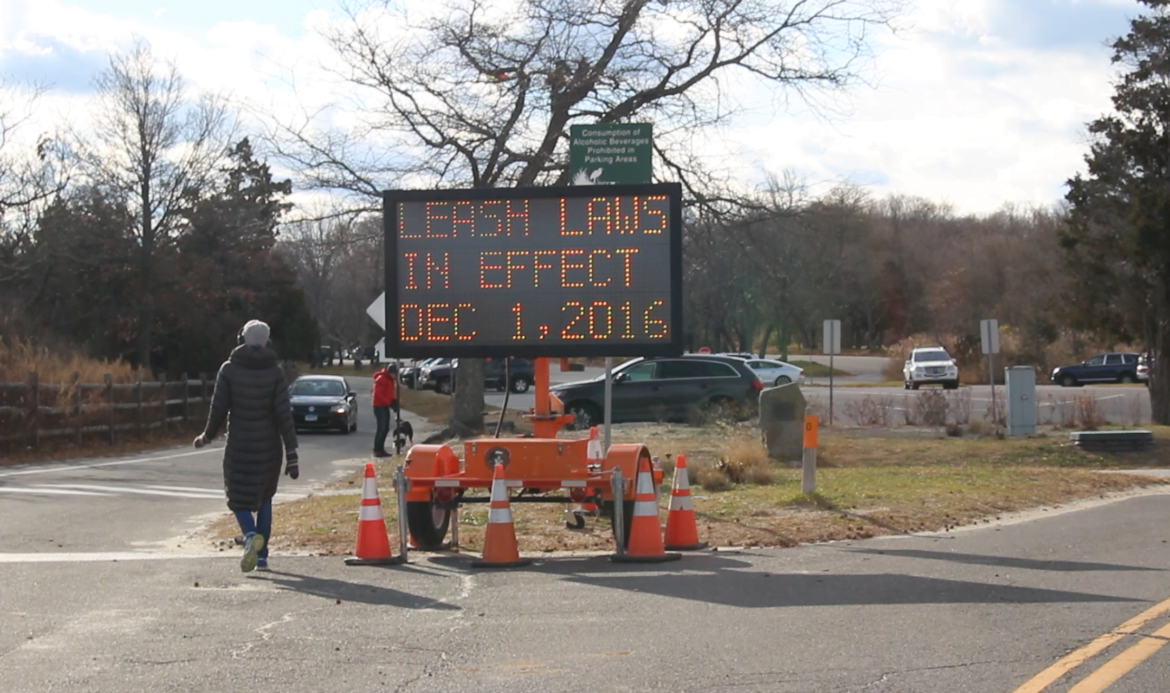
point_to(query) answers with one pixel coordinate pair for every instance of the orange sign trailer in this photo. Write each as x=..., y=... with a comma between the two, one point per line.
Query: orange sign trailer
x=436, y=479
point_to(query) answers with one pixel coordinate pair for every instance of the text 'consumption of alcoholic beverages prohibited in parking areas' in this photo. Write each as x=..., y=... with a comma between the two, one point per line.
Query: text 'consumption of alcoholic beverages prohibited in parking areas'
x=609, y=153
x=557, y=271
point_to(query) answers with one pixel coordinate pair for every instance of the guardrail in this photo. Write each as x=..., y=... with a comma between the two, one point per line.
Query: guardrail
x=33, y=410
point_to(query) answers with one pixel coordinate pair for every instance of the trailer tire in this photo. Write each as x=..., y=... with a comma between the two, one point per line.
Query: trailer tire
x=428, y=523
x=627, y=519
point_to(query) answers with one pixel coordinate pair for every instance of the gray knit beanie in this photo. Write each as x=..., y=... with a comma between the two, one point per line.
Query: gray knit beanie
x=255, y=333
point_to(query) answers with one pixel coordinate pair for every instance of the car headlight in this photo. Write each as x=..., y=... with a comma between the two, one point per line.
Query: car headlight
x=918, y=370
x=340, y=409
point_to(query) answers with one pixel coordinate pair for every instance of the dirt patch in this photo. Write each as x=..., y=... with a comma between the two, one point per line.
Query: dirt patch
x=902, y=482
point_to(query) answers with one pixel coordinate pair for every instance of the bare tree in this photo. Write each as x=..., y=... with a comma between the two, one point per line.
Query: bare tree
x=483, y=94
x=152, y=145
x=30, y=176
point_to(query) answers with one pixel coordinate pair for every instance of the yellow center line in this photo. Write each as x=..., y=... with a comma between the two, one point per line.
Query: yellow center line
x=1122, y=664
x=1079, y=656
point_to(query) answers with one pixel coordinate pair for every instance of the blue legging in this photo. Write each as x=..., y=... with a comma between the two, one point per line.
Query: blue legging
x=261, y=524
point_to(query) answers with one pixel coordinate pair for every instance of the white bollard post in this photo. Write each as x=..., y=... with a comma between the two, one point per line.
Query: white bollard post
x=808, y=481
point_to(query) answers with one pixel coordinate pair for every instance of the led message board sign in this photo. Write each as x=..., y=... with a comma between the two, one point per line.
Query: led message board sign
x=558, y=271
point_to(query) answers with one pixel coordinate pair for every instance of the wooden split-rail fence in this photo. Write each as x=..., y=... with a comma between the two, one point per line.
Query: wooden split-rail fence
x=32, y=410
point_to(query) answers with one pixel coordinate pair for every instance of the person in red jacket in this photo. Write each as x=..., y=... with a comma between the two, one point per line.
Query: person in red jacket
x=385, y=398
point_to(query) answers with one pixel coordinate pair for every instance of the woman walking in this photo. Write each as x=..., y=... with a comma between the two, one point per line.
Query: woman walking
x=251, y=395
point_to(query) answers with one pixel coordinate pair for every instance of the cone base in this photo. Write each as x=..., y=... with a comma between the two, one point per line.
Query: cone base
x=660, y=558
x=687, y=547
x=389, y=560
x=502, y=564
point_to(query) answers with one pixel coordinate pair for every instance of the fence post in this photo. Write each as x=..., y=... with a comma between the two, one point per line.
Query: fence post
x=162, y=400
x=186, y=401
x=34, y=407
x=77, y=407
x=138, y=397
x=109, y=379
x=203, y=394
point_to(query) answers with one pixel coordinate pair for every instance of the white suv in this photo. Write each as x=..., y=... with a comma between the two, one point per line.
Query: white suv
x=930, y=365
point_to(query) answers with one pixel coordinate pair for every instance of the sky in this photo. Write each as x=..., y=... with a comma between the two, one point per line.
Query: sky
x=974, y=103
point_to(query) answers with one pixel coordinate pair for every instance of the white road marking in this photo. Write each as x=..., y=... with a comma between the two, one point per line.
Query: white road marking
x=101, y=556
x=114, y=463
x=205, y=494
x=43, y=491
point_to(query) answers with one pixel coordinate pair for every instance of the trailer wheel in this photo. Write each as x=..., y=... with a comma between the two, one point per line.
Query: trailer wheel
x=627, y=519
x=428, y=523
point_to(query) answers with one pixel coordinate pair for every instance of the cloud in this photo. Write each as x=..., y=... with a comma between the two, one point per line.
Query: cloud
x=50, y=62
x=977, y=102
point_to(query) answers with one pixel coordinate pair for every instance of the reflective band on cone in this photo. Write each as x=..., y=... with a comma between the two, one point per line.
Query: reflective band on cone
x=499, y=540
x=373, y=543
x=681, y=532
x=645, y=541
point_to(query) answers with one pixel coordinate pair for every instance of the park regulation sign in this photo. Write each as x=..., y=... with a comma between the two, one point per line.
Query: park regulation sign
x=610, y=153
x=557, y=271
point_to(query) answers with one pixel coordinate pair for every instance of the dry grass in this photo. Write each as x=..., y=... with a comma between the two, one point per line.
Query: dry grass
x=869, y=483
x=19, y=358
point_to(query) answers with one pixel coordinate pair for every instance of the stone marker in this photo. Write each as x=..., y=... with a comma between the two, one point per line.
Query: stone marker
x=782, y=422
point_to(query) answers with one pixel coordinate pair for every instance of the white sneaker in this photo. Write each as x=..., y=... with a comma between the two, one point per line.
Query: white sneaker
x=252, y=545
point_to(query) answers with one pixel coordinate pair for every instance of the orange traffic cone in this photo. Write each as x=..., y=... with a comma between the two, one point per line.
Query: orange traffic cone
x=499, y=541
x=681, y=532
x=373, y=543
x=644, y=545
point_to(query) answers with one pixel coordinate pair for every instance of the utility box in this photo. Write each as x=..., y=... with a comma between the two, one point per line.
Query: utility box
x=1021, y=400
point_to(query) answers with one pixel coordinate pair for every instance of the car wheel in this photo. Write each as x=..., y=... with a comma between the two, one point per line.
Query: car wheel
x=1127, y=378
x=782, y=380
x=913, y=385
x=343, y=427
x=443, y=387
x=951, y=385
x=428, y=522
x=1068, y=381
x=521, y=385
x=585, y=416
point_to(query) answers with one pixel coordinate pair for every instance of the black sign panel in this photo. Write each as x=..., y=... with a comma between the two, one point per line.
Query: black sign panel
x=564, y=271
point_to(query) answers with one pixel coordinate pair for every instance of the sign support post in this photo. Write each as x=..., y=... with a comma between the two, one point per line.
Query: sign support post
x=989, y=341
x=832, y=347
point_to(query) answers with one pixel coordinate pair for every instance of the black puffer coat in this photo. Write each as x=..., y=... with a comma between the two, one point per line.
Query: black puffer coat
x=252, y=392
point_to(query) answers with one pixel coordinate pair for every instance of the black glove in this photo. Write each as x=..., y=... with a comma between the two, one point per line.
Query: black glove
x=291, y=468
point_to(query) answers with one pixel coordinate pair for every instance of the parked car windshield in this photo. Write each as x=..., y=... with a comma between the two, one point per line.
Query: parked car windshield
x=934, y=355
x=317, y=388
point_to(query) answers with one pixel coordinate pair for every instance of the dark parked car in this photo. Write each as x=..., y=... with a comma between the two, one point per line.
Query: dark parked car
x=1101, y=368
x=408, y=374
x=522, y=376
x=665, y=389
x=323, y=401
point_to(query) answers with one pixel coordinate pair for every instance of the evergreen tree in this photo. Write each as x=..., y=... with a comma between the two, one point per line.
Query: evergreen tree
x=1117, y=241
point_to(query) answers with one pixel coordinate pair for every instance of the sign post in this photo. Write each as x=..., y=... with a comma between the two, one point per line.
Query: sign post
x=832, y=347
x=989, y=341
x=610, y=153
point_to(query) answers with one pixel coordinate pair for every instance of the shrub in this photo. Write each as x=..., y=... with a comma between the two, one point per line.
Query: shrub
x=871, y=411
x=711, y=477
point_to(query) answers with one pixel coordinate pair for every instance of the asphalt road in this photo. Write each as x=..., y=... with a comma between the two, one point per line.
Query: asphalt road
x=982, y=610
x=105, y=590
